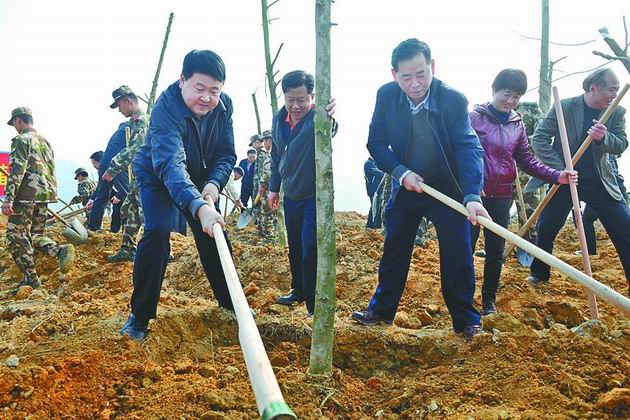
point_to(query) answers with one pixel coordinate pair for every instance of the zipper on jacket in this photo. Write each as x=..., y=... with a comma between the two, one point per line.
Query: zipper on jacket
x=496, y=182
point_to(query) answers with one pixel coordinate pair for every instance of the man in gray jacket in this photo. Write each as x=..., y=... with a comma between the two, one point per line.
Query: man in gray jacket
x=598, y=187
x=293, y=167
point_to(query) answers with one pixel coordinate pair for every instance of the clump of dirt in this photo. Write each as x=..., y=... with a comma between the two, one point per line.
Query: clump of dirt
x=61, y=354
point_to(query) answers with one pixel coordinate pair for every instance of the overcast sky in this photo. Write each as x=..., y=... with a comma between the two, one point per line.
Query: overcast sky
x=62, y=59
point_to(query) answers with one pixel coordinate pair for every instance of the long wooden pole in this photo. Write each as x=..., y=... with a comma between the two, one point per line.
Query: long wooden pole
x=521, y=200
x=127, y=140
x=269, y=398
x=566, y=151
x=606, y=293
x=554, y=189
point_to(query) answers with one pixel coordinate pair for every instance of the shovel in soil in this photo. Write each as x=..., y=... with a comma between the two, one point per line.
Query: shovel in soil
x=75, y=233
x=523, y=257
x=248, y=215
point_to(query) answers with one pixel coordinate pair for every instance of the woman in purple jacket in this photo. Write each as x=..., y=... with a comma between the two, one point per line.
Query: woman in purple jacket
x=504, y=140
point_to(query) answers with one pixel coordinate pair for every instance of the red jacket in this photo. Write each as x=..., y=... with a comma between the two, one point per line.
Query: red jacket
x=503, y=144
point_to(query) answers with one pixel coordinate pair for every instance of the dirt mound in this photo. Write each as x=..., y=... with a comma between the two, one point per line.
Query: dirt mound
x=61, y=355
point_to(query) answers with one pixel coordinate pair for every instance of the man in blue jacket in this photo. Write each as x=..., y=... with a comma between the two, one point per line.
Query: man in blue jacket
x=420, y=132
x=103, y=193
x=247, y=183
x=186, y=160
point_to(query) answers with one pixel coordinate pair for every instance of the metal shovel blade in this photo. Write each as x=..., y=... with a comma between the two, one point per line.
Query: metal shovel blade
x=524, y=258
x=245, y=218
x=75, y=233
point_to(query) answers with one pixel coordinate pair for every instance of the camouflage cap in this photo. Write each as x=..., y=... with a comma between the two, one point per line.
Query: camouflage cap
x=80, y=171
x=21, y=110
x=255, y=137
x=266, y=134
x=120, y=93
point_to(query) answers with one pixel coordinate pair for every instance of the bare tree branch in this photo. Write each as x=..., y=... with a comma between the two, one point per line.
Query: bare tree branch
x=572, y=74
x=273, y=62
x=625, y=28
x=271, y=20
x=553, y=63
x=272, y=3
x=611, y=57
x=525, y=37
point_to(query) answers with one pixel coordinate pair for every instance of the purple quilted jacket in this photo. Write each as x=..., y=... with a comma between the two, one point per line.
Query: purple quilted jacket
x=503, y=144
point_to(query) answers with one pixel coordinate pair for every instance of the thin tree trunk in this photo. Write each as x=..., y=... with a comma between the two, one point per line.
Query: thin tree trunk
x=257, y=113
x=544, y=83
x=159, y=66
x=325, y=294
x=621, y=54
x=268, y=63
x=271, y=83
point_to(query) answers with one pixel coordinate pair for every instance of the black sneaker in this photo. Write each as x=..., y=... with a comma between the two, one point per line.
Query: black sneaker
x=471, y=331
x=123, y=255
x=135, y=328
x=290, y=299
x=536, y=281
x=489, y=306
x=368, y=317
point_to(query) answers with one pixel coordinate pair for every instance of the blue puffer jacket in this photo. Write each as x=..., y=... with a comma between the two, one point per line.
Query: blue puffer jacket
x=459, y=150
x=175, y=154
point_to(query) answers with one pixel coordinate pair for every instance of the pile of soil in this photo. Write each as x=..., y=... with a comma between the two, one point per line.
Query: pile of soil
x=61, y=354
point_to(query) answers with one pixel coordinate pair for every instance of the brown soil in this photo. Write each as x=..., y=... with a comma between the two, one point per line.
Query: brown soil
x=73, y=363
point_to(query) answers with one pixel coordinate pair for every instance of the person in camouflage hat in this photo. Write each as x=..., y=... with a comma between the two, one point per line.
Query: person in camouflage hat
x=85, y=188
x=31, y=185
x=265, y=218
x=131, y=210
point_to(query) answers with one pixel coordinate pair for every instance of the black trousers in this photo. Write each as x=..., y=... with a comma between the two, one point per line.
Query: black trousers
x=154, y=248
x=614, y=215
x=499, y=211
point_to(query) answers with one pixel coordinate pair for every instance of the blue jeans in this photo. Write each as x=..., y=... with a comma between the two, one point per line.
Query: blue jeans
x=457, y=272
x=301, y=223
x=614, y=215
x=152, y=253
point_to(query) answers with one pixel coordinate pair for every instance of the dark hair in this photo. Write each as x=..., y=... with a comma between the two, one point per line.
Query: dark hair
x=83, y=173
x=26, y=119
x=598, y=77
x=408, y=49
x=205, y=62
x=510, y=79
x=97, y=156
x=251, y=151
x=297, y=78
x=239, y=170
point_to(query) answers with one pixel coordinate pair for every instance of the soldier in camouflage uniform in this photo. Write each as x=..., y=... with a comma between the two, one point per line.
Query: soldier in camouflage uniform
x=532, y=115
x=85, y=188
x=30, y=187
x=265, y=218
x=127, y=103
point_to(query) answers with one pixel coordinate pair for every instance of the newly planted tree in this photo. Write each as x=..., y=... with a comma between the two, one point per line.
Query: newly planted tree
x=325, y=293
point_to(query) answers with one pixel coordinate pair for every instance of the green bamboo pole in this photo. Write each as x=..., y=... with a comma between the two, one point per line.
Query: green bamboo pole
x=159, y=66
x=325, y=293
x=271, y=83
x=257, y=113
